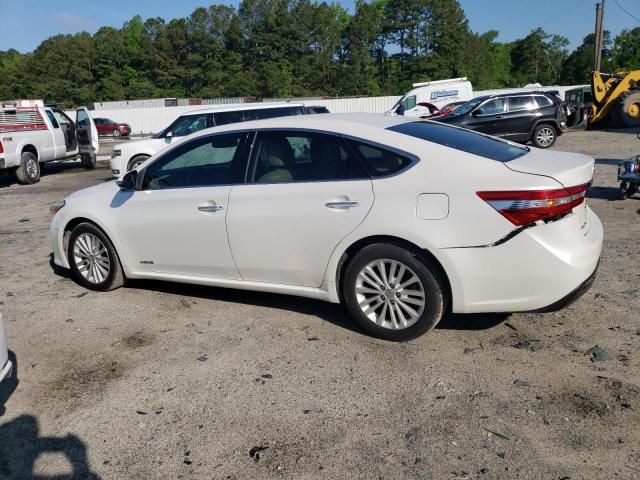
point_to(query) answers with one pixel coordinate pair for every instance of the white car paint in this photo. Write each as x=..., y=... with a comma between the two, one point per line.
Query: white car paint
x=123, y=153
x=47, y=142
x=281, y=238
x=5, y=363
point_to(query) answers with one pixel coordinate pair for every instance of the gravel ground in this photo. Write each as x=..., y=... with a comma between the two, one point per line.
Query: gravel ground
x=174, y=381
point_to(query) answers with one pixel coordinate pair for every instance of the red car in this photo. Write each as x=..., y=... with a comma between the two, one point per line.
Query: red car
x=109, y=127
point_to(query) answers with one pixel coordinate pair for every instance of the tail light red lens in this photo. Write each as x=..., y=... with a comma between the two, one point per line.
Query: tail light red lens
x=1, y=148
x=522, y=207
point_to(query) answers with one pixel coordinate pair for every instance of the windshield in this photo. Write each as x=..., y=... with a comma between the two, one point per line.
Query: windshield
x=468, y=106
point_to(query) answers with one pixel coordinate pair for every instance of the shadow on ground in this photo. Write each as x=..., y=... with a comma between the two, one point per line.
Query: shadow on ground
x=329, y=312
x=52, y=168
x=21, y=445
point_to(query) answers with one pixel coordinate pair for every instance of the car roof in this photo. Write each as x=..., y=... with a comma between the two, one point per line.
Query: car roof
x=244, y=106
x=363, y=125
x=511, y=94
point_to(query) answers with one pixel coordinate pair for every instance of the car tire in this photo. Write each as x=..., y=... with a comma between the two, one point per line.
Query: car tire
x=93, y=259
x=136, y=162
x=88, y=161
x=28, y=172
x=544, y=136
x=404, y=302
x=116, y=132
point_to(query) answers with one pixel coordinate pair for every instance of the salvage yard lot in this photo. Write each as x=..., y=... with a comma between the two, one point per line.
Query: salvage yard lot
x=158, y=380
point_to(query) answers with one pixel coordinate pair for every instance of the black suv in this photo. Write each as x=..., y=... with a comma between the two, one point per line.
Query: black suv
x=521, y=117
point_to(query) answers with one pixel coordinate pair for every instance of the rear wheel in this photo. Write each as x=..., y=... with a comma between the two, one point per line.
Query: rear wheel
x=544, y=136
x=94, y=262
x=392, y=293
x=135, y=162
x=28, y=172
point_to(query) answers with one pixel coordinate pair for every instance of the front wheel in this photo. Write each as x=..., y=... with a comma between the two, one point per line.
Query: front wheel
x=88, y=161
x=392, y=293
x=28, y=172
x=136, y=162
x=116, y=132
x=544, y=136
x=94, y=262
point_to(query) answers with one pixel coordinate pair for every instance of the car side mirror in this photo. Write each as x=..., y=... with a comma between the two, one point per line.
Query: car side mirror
x=477, y=112
x=129, y=181
x=168, y=136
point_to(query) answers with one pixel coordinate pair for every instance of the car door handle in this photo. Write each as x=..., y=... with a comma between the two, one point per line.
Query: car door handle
x=211, y=208
x=499, y=116
x=342, y=205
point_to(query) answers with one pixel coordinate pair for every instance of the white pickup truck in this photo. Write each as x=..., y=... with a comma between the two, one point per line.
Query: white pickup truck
x=31, y=134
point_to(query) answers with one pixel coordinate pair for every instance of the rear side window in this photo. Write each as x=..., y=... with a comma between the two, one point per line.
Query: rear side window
x=543, y=101
x=517, y=104
x=461, y=139
x=263, y=113
x=224, y=118
x=379, y=162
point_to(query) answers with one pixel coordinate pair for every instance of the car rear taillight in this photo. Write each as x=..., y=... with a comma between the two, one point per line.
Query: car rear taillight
x=1, y=148
x=522, y=207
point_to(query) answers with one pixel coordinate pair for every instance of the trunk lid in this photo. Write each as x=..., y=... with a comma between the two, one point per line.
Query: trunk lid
x=570, y=169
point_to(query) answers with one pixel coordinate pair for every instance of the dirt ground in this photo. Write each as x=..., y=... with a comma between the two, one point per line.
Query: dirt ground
x=174, y=381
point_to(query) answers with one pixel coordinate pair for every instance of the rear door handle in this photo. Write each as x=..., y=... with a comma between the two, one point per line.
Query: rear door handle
x=211, y=208
x=342, y=205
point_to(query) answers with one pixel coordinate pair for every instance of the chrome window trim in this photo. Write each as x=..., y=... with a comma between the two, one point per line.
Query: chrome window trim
x=414, y=159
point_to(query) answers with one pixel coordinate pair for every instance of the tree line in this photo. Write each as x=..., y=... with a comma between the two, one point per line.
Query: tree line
x=293, y=48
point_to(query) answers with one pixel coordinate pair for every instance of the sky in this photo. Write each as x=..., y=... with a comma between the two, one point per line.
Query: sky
x=26, y=23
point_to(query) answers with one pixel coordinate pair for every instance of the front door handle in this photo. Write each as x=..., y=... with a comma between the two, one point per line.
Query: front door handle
x=342, y=205
x=211, y=208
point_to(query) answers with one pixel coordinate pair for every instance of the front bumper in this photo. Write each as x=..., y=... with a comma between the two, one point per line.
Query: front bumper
x=538, y=268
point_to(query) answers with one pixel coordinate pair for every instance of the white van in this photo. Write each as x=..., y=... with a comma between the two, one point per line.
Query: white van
x=130, y=155
x=419, y=101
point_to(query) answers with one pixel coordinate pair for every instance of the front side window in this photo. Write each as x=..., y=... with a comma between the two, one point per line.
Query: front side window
x=188, y=124
x=206, y=161
x=493, y=107
x=61, y=117
x=523, y=103
x=409, y=102
x=83, y=118
x=282, y=156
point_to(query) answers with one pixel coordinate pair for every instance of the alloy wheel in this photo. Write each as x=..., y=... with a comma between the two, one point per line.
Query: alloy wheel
x=545, y=136
x=390, y=294
x=32, y=167
x=91, y=257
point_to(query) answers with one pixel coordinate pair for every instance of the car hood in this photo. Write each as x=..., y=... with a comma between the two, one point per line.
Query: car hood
x=102, y=189
x=148, y=146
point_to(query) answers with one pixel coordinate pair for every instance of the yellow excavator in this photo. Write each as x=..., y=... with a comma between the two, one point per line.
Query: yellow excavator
x=615, y=99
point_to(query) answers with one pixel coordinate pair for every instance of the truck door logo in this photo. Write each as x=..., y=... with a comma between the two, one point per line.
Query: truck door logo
x=443, y=93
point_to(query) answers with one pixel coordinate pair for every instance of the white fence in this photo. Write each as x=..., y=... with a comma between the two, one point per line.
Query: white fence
x=150, y=119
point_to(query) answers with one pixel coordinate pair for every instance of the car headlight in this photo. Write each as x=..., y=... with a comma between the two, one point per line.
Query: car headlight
x=55, y=207
x=115, y=153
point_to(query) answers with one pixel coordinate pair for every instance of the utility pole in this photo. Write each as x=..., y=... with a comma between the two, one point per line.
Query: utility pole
x=599, y=36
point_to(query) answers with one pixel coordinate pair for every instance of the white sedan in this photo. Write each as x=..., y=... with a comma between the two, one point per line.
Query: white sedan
x=400, y=220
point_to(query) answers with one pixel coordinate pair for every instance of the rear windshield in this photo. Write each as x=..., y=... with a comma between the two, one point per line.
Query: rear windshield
x=461, y=139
